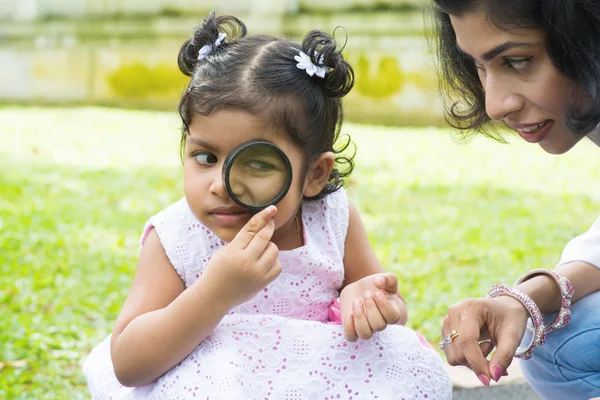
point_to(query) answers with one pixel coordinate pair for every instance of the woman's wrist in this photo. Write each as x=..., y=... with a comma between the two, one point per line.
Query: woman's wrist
x=536, y=317
x=544, y=291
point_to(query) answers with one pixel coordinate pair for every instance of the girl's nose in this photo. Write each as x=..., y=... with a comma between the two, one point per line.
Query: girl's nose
x=217, y=186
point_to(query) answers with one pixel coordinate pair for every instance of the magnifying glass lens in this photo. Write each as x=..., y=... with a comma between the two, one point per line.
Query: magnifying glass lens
x=258, y=175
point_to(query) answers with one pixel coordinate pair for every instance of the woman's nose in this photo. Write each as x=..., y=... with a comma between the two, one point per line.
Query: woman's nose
x=500, y=99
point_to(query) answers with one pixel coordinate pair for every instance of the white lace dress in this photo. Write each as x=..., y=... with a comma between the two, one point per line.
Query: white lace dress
x=281, y=344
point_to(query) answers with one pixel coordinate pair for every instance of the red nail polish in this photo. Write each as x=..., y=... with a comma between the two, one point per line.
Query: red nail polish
x=497, y=373
x=484, y=379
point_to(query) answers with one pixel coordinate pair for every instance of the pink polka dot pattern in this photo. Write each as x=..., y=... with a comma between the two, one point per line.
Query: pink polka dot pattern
x=277, y=345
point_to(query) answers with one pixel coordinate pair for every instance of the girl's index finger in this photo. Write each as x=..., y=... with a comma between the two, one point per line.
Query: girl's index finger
x=252, y=227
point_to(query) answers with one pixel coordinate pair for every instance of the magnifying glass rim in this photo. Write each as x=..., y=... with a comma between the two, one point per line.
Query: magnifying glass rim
x=233, y=155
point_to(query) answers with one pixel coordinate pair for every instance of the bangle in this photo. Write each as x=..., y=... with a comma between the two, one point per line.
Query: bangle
x=566, y=294
x=539, y=334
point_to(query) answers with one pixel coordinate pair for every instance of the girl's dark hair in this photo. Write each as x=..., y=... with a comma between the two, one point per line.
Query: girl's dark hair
x=572, y=37
x=258, y=74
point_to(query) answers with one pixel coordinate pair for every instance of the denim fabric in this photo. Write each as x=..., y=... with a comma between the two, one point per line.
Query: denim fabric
x=567, y=366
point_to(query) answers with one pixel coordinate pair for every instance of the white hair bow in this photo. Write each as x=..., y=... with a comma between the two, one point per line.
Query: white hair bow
x=208, y=48
x=305, y=63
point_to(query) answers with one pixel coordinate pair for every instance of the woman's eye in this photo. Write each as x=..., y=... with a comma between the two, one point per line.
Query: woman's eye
x=479, y=65
x=205, y=158
x=517, y=63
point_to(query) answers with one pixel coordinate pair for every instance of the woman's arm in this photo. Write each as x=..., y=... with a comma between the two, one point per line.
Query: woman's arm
x=503, y=318
x=161, y=322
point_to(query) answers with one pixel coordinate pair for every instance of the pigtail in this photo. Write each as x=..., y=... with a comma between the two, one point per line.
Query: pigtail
x=322, y=49
x=207, y=34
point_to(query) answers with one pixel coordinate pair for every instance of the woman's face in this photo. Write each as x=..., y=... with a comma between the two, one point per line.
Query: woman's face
x=522, y=86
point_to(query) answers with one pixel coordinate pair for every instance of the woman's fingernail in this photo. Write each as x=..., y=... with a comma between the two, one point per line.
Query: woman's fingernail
x=357, y=303
x=368, y=294
x=484, y=379
x=497, y=372
x=380, y=281
x=380, y=295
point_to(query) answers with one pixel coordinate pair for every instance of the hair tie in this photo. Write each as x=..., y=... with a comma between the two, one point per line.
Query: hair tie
x=209, y=48
x=305, y=63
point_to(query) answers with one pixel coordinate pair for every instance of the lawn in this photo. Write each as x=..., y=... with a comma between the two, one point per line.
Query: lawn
x=76, y=186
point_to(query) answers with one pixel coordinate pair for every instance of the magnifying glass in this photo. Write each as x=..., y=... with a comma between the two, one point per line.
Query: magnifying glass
x=257, y=174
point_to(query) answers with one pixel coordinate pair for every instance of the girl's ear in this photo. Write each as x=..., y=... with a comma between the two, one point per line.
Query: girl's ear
x=318, y=173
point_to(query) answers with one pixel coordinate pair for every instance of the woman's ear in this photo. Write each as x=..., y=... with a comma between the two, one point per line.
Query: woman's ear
x=318, y=173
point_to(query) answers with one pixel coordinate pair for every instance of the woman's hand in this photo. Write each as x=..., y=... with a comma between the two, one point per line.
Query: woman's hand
x=370, y=305
x=238, y=271
x=502, y=320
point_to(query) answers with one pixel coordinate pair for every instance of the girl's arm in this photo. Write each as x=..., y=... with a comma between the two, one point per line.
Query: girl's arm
x=161, y=322
x=359, y=257
x=360, y=263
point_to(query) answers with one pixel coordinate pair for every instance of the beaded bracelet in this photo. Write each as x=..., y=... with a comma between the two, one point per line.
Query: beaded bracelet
x=566, y=293
x=539, y=332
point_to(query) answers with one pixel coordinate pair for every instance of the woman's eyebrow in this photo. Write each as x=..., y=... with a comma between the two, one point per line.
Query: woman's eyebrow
x=496, y=51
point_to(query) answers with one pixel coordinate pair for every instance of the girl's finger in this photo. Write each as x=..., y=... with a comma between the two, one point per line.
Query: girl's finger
x=261, y=240
x=390, y=313
x=376, y=321
x=256, y=224
x=349, y=329
x=363, y=330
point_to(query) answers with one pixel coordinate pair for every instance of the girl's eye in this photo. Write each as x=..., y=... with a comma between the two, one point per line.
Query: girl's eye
x=517, y=63
x=205, y=158
x=260, y=165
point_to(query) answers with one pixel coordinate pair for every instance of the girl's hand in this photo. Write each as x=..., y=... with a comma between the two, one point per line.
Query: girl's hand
x=502, y=320
x=238, y=271
x=370, y=304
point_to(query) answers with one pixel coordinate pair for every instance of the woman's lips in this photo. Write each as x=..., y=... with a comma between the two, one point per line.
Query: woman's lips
x=534, y=133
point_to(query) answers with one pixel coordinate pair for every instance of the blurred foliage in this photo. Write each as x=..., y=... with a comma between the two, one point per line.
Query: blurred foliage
x=77, y=185
x=139, y=81
x=386, y=82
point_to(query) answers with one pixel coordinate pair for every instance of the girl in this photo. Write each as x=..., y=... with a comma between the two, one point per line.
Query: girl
x=533, y=66
x=227, y=305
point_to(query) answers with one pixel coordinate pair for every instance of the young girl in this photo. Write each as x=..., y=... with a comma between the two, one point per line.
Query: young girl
x=230, y=305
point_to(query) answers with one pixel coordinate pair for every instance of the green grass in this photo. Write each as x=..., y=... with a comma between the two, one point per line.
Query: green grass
x=76, y=186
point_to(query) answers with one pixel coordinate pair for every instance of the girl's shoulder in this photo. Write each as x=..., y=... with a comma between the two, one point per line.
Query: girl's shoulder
x=328, y=216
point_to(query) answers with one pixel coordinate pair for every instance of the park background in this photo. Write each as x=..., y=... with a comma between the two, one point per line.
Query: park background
x=89, y=150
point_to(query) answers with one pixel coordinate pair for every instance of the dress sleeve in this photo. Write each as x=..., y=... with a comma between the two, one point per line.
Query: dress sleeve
x=585, y=247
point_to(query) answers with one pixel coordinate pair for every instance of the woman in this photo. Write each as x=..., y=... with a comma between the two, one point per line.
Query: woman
x=534, y=67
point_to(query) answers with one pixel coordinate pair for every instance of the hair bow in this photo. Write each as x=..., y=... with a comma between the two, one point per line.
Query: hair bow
x=305, y=63
x=209, y=48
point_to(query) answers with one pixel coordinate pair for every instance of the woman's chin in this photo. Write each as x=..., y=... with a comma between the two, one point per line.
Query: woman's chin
x=558, y=147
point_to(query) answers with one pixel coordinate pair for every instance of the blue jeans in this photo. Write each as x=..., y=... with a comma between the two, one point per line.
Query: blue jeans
x=567, y=366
